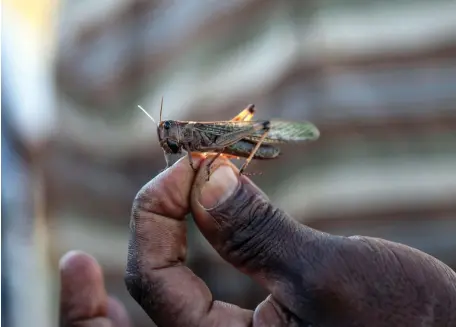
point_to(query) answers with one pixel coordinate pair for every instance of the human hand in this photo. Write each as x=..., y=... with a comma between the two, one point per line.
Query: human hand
x=83, y=298
x=315, y=279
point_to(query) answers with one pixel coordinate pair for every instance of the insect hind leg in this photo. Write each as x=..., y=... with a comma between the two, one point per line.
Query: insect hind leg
x=208, y=166
x=257, y=146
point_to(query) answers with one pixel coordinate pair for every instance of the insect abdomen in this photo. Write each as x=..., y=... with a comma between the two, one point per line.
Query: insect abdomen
x=243, y=148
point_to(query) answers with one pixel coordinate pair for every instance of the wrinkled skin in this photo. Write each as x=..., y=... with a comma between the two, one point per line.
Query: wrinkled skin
x=314, y=278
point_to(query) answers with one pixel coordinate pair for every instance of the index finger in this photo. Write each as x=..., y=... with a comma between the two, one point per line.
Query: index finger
x=83, y=298
x=156, y=277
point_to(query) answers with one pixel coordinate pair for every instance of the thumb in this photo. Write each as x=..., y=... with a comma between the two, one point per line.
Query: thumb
x=249, y=232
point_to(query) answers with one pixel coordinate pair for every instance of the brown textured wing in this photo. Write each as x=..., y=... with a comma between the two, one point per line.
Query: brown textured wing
x=222, y=127
x=280, y=131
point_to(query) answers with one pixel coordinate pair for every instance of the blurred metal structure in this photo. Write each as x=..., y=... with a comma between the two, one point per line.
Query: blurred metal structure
x=378, y=79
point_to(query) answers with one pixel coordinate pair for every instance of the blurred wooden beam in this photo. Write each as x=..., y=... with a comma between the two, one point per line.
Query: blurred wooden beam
x=148, y=57
x=369, y=186
x=430, y=212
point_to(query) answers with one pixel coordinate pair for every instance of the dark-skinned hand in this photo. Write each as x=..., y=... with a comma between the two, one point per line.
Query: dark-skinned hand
x=314, y=279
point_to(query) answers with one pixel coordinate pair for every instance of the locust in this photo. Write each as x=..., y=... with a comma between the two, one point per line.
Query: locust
x=240, y=137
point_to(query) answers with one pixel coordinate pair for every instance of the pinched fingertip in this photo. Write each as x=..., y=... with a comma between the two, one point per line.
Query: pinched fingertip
x=167, y=193
x=221, y=185
x=214, y=186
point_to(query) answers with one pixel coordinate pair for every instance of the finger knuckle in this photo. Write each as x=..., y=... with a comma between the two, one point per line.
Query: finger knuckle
x=144, y=199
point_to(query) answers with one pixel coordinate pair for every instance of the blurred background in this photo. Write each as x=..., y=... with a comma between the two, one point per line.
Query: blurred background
x=377, y=77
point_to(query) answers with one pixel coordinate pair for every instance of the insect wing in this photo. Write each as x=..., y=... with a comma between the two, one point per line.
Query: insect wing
x=288, y=131
x=280, y=131
x=245, y=115
x=222, y=127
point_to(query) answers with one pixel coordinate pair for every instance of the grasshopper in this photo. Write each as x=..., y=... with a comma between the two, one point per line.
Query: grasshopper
x=235, y=138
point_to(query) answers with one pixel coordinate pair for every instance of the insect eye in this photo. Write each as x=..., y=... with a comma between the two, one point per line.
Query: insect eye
x=167, y=125
x=173, y=146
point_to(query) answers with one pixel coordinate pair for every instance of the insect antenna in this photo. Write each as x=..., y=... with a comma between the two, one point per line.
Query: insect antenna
x=161, y=109
x=152, y=118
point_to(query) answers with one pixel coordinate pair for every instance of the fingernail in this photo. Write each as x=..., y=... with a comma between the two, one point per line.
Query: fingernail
x=222, y=183
x=71, y=256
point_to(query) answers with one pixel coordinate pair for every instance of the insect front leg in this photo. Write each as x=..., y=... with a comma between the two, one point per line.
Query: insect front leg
x=189, y=155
